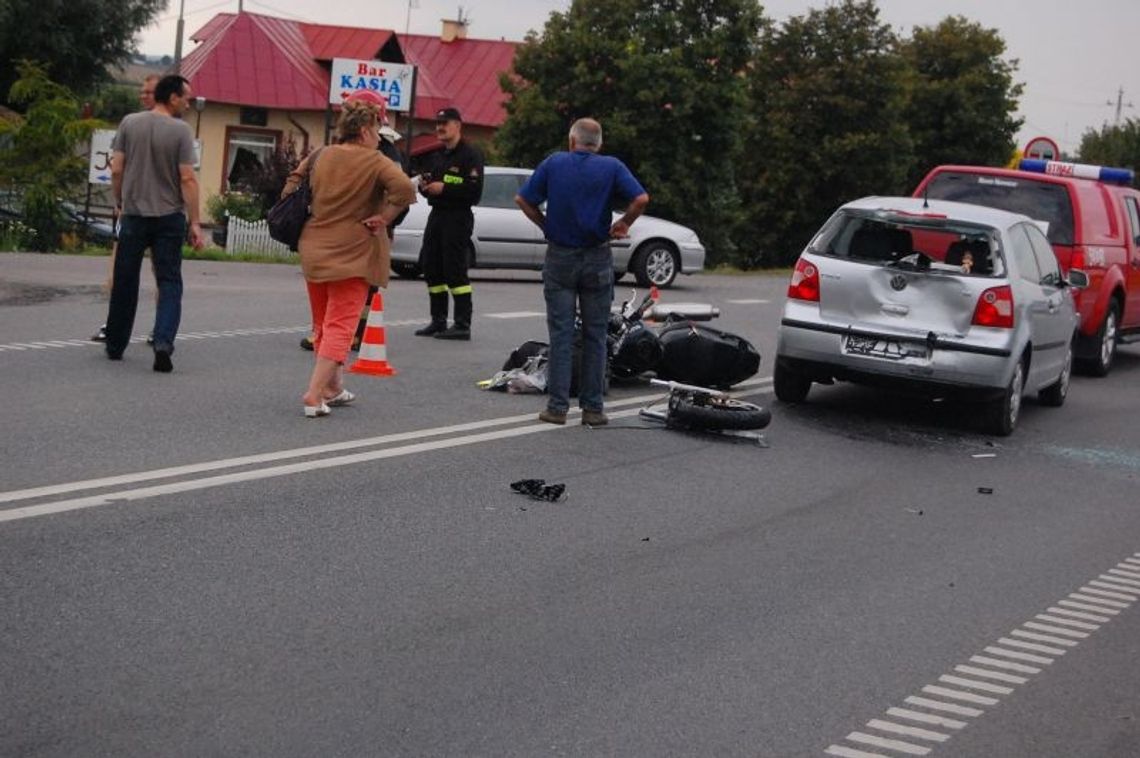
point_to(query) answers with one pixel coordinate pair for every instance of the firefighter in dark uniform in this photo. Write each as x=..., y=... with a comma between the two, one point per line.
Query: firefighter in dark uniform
x=453, y=183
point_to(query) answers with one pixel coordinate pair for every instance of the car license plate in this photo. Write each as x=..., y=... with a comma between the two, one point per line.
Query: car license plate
x=884, y=348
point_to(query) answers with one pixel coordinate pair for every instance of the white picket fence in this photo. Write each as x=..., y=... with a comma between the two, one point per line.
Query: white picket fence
x=253, y=237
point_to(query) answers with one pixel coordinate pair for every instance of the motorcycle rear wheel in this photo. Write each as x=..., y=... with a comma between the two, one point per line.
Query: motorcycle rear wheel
x=716, y=413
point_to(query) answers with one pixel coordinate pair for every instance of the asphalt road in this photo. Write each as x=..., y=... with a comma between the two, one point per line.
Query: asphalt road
x=190, y=568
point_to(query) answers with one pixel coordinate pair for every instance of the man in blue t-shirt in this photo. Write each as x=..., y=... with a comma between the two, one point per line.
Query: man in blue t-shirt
x=579, y=188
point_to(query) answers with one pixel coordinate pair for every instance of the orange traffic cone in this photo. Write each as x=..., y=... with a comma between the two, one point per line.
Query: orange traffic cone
x=373, y=356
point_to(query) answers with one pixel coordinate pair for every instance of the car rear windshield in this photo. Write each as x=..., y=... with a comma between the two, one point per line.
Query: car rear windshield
x=1042, y=201
x=944, y=246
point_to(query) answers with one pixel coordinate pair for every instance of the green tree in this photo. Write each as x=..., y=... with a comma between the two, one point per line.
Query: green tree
x=963, y=97
x=42, y=163
x=664, y=77
x=115, y=101
x=1112, y=145
x=77, y=40
x=827, y=125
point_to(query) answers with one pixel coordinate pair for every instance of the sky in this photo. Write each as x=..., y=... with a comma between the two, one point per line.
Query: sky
x=1073, y=57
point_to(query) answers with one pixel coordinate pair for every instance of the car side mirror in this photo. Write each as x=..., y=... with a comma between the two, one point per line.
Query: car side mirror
x=1077, y=279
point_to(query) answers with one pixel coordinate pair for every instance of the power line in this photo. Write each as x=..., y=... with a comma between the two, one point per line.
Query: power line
x=173, y=16
x=287, y=14
x=1120, y=104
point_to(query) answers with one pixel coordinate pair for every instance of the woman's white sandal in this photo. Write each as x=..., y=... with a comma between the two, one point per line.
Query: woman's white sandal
x=344, y=398
x=316, y=411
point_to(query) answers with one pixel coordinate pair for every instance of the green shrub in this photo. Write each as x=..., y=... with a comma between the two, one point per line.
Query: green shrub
x=243, y=205
x=15, y=235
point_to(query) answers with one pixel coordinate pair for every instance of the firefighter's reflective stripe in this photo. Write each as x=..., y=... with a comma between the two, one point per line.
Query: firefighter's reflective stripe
x=452, y=179
x=437, y=289
x=463, y=290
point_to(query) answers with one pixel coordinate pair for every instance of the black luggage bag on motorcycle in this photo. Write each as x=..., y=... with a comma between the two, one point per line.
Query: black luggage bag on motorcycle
x=706, y=357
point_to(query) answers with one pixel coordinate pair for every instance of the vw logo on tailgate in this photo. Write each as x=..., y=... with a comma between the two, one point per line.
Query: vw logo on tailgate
x=898, y=282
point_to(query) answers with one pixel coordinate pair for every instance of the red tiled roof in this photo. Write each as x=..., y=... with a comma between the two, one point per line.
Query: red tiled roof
x=328, y=42
x=267, y=62
x=464, y=71
x=212, y=27
x=248, y=59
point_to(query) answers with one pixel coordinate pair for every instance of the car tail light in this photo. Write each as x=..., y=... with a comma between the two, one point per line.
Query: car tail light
x=805, y=282
x=995, y=308
x=1076, y=261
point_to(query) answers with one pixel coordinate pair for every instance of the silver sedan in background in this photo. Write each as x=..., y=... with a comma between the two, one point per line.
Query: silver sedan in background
x=655, y=253
x=945, y=298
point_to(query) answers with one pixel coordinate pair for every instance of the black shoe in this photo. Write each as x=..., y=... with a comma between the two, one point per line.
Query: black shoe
x=306, y=343
x=432, y=328
x=162, y=362
x=101, y=335
x=114, y=356
x=454, y=333
x=150, y=338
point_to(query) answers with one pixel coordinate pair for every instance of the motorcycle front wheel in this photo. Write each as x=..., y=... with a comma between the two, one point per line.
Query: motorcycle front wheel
x=713, y=413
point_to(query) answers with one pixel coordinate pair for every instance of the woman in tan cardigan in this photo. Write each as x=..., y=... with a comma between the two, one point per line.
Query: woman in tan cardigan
x=344, y=247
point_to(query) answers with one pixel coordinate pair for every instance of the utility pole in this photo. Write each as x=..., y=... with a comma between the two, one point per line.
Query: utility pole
x=178, y=38
x=1119, y=104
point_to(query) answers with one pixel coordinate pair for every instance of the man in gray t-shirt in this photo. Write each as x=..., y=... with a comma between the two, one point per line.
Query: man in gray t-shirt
x=152, y=178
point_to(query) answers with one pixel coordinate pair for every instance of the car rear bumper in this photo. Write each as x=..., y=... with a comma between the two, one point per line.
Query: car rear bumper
x=818, y=350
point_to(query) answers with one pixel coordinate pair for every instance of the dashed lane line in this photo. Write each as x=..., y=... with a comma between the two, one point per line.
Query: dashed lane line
x=998, y=674
x=49, y=344
x=46, y=344
x=452, y=436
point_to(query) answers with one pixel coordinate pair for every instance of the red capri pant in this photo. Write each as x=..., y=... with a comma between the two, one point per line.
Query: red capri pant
x=336, y=310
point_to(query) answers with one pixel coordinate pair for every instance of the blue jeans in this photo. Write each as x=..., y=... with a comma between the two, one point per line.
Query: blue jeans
x=582, y=277
x=164, y=236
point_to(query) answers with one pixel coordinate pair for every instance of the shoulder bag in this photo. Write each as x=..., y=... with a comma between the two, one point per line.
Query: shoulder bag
x=288, y=215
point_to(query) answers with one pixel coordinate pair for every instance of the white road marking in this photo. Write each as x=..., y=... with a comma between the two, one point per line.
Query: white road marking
x=1062, y=631
x=748, y=301
x=1134, y=573
x=896, y=745
x=967, y=697
x=974, y=684
x=191, y=485
x=987, y=674
x=938, y=705
x=1087, y=607
x=1120, y=579
x=1007, y=665
x=1042, y=638
x=907, y=731
x=1016, y=655
x=1066, y=622
x=925, y=718
x=532, y=426
x=1055, y=630
x=1089, y=589
x=1086, y=597
x=846, y=752
x=1076, y=614
x=139, y=338
x=1031, y=646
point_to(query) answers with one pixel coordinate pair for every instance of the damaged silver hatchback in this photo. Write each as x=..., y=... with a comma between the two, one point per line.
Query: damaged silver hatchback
x=945, y=298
